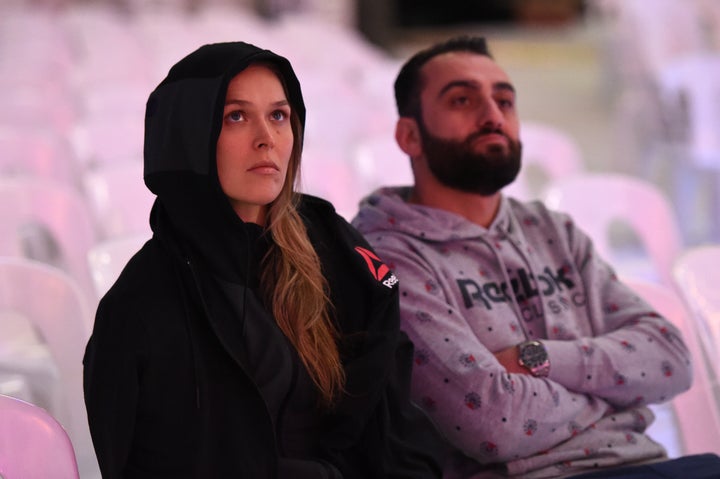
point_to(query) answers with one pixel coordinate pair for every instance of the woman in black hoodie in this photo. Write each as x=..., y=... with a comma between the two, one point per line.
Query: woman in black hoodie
x=256, y=334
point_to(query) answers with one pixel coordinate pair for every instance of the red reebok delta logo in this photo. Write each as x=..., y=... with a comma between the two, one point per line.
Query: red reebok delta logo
x=377, y=268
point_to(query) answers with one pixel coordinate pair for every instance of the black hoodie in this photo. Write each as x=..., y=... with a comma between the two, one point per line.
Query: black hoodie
x=186, y=373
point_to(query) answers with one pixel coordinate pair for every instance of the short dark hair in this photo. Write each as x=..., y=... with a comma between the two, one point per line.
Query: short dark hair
x=409, y=82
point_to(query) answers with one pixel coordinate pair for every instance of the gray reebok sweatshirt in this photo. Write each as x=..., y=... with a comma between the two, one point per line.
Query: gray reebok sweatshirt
x=468, y=291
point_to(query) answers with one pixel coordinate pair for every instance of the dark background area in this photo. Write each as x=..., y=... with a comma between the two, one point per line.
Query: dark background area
x=383, y=21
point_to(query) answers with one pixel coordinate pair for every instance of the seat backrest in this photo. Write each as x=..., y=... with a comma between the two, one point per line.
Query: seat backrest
x=58, y=308
x=690, y=89
x=36, y=152
x=119, y=199
x=645, y=42
x=696, y=410
x=97, y=142
x=697, y=275
x=28, y=108
x=123, y=97
x=33, y=445
x=15, y=385
x=709, y=11
x=108, y=258
x=598, y=201
x=326, y=176
x=379, y=161
x=548, y=153
x=48, y=221
x=100, y=30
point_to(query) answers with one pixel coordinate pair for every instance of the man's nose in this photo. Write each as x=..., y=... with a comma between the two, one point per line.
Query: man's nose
x=490, y=117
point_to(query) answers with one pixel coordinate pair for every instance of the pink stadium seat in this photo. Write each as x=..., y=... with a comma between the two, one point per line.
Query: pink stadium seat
x=597, y=201
x=63, y=320
x=696, y=410
x=37, y=152
x=697, y=275
x=33, y=445
x=548, y=154
x=48, y=221
x=119, y=199
x=108, y=258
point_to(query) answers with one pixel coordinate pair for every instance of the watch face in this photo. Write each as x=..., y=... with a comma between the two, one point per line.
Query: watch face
x=533, y=355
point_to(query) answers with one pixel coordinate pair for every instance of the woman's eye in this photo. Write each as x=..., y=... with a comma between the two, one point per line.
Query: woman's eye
x=236, y=115
x=278, y=115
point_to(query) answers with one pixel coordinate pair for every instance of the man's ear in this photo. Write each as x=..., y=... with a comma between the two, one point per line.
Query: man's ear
x=407, y=135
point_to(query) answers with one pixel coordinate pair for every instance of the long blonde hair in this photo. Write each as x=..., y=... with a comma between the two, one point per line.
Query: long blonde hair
x=293, y=284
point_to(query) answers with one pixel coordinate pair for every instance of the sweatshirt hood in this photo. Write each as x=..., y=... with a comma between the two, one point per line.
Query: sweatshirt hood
x=183, y=120
x=386, y=213
x=387, y=209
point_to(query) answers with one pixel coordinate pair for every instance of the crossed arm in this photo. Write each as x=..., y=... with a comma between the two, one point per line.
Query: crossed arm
x=482, y=399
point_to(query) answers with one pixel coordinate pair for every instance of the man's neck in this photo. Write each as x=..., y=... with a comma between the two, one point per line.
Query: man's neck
x=473, y=207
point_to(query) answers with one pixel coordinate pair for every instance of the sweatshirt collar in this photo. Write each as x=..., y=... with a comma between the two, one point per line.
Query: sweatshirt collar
x=388, y=209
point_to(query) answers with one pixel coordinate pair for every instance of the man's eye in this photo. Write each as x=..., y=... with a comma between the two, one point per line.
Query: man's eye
x=505, y=104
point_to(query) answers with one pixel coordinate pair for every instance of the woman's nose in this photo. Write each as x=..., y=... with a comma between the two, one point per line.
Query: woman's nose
x=263, y=136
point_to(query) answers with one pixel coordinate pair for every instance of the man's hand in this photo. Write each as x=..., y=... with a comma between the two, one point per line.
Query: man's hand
x=508, y=357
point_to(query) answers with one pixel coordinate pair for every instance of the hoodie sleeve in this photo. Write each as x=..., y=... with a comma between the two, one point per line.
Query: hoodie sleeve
x=635, y=355
x=111, y=390
x=488, y=414
x=375, y=430
x=378, y=431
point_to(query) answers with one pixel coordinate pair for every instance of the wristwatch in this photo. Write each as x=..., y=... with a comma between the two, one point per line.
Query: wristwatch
x=533, y=356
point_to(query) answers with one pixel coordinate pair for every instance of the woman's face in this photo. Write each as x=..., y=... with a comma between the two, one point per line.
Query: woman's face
x=255, y=142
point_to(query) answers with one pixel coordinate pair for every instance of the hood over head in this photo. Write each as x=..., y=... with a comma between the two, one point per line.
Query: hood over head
x=183, y=119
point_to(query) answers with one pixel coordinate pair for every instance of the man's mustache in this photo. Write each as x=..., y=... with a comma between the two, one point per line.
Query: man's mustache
x=485, y=131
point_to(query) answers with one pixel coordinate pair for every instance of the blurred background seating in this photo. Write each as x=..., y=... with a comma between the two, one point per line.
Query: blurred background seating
x=34, y=443
x=549, y=153
x=695, y=414
x=609, y=205
x=615, y=88
x=697, y=275
x=50, y=304
x=107, y=259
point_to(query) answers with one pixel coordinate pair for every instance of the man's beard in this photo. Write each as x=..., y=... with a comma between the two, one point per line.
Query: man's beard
x=455, y=163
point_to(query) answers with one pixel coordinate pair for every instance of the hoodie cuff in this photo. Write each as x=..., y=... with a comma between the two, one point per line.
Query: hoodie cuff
x=565, y=362
x=307, y=469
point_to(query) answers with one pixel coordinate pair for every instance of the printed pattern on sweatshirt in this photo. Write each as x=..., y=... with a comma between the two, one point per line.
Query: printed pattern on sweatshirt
x=467, y=292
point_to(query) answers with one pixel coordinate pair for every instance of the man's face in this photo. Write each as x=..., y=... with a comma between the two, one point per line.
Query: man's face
x=469, y=127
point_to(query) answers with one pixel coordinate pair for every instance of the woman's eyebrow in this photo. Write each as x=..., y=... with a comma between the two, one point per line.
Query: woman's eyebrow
x=233, y=101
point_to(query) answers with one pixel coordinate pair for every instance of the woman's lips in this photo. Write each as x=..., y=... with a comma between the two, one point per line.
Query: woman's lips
x=264, y=167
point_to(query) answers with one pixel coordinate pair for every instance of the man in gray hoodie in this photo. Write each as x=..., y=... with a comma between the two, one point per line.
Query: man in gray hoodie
x=531, y=357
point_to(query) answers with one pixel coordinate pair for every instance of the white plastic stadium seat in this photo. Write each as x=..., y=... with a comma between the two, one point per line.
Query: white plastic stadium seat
x=696, y=410
x=597, y=201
